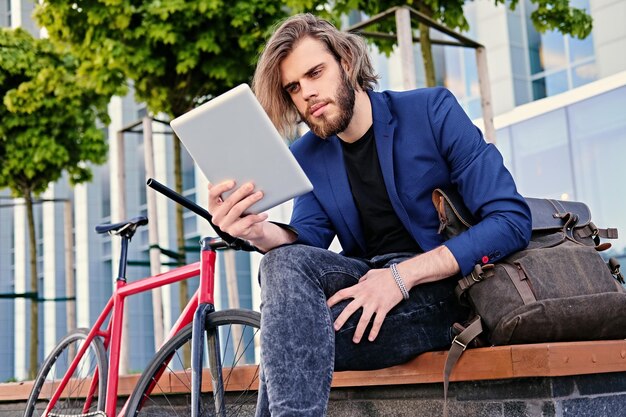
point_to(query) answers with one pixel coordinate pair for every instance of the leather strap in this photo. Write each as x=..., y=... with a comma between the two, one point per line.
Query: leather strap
x=478, y=274
x=614, y=267
x=459, y=344
x=520, y=280
x=591, y=230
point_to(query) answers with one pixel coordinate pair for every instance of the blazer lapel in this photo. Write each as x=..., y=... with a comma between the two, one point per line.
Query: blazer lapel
x=384, y=127
x=340, y=186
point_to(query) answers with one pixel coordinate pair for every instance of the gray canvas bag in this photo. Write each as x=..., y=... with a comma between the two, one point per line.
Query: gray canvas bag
x=557, y=289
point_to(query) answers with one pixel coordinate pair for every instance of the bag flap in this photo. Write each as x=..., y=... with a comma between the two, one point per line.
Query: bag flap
x=550, y=214
x=547, y=214
x=453, y=199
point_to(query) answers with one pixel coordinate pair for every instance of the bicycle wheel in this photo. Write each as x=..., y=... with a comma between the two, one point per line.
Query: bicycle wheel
x=164, y=388
x=75, y=399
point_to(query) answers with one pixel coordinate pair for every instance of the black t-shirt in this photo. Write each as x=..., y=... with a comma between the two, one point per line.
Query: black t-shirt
x=384, y=233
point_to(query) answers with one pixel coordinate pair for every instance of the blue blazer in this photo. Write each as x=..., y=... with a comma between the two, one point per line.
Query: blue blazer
x=424, y=141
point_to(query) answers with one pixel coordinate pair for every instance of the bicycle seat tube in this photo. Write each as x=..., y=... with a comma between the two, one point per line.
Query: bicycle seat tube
x=121, y=275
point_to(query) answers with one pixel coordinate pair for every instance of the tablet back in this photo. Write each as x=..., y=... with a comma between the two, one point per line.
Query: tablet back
x=232, y=138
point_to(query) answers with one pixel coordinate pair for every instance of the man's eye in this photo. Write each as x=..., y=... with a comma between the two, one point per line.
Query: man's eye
x=292, y=89
x=316, y=73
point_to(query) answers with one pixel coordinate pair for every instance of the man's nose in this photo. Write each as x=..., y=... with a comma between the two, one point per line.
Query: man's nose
x=309, y=90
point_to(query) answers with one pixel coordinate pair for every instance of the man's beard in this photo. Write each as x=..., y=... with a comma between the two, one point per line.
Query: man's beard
x=325, y=127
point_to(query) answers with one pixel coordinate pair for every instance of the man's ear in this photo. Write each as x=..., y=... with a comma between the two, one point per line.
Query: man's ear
x=345, y=66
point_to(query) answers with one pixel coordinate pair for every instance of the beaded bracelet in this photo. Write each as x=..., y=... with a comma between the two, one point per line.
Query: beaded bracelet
x=399, y=281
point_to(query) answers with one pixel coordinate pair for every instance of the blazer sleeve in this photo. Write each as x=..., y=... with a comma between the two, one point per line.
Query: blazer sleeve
x=310, y=222
x=486, y=186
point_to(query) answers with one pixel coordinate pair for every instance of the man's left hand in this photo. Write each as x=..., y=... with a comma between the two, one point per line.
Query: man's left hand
x=376, y=293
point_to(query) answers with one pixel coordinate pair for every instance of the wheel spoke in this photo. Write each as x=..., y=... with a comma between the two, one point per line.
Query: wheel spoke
x=234, y=352
x=75, y=398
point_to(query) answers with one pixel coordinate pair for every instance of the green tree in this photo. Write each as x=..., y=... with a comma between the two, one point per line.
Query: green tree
x=48, y=127
x=549, y=15
x=177, y=53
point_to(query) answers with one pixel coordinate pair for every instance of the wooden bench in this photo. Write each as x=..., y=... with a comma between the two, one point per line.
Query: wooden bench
x=491, y=363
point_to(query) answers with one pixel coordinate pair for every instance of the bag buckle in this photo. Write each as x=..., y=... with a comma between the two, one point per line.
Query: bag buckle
x=456, y=340
x=614, y=267
x=477, y=273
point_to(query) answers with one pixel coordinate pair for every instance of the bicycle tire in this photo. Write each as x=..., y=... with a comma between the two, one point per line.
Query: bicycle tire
x=73, y=402
x=240, y=400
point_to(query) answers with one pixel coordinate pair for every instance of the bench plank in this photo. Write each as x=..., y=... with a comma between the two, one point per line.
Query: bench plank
x=499, y=362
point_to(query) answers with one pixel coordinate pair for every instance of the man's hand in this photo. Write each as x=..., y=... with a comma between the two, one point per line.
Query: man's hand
x=377, y=293
x=229, y=215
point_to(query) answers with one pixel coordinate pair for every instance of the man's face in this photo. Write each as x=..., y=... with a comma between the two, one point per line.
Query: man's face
x=319, y=87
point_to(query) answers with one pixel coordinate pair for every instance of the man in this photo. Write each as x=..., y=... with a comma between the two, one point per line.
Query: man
x=374, y=160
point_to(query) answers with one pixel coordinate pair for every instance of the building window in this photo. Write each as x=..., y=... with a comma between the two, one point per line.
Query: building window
x=461, y=78
x=142, y=112
x=540, y=149
x=575, y=152
x=9, y=17
x=189, y=191
x=105, y=182
x=598, y=134
x=460, y=70
x=141, y=171
x=558, y=63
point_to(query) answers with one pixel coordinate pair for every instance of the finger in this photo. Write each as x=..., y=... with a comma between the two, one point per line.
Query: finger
x=360, y=328
x=376, y=325
x=236, y=197
x=345, y=314
x=339, y=296
x=222, y=212
x=243, y=227
x=216, y=191
x=237, y=210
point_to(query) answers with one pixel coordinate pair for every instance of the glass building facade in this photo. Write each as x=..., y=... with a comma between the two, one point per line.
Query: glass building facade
x=550, y=63
x=575, y=152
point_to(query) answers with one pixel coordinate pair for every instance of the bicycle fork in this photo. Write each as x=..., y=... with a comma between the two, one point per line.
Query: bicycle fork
x=200, y=319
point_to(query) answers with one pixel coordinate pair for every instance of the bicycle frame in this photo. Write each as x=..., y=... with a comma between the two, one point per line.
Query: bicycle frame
x=114, y=308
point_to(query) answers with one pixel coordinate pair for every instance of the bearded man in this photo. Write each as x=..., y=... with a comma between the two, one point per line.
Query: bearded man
x=374, y=159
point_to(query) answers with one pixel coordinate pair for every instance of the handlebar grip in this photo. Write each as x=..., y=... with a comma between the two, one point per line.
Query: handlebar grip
x=233, y=242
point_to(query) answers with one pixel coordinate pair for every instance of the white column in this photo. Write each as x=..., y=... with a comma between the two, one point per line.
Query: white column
x=405, y=48
x=162, y=144
x=117, y=157
x=21, y=16
x=21, y=304
x=153, y=233
x=49, y=291
x=83, y=236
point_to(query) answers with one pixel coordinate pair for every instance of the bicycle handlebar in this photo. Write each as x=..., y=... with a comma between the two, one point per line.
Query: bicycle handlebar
x=233, y=242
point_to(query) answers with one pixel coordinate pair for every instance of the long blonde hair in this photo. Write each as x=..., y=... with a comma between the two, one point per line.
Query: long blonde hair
x=343, y=46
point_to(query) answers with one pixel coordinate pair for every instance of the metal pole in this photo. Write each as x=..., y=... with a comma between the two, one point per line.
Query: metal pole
x=485, y=94
x=153, y=233
x=70, y=285
x=121, y=212
x=405, y=47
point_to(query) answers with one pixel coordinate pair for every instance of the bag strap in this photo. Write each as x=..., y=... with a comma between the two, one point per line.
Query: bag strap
x=520, y=280
x=459, y=344
x=479, y=273
x=591, y=230
x=614, y=266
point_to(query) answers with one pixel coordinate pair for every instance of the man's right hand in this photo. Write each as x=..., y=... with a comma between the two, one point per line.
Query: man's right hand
x=228, y=214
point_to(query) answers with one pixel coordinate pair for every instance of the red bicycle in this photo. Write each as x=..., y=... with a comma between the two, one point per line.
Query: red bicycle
x=80, y=377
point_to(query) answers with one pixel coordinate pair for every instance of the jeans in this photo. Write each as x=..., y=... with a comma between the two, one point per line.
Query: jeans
x=300, y=349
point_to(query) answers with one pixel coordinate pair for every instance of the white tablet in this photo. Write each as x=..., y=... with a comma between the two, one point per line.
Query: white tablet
x=232, y=138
